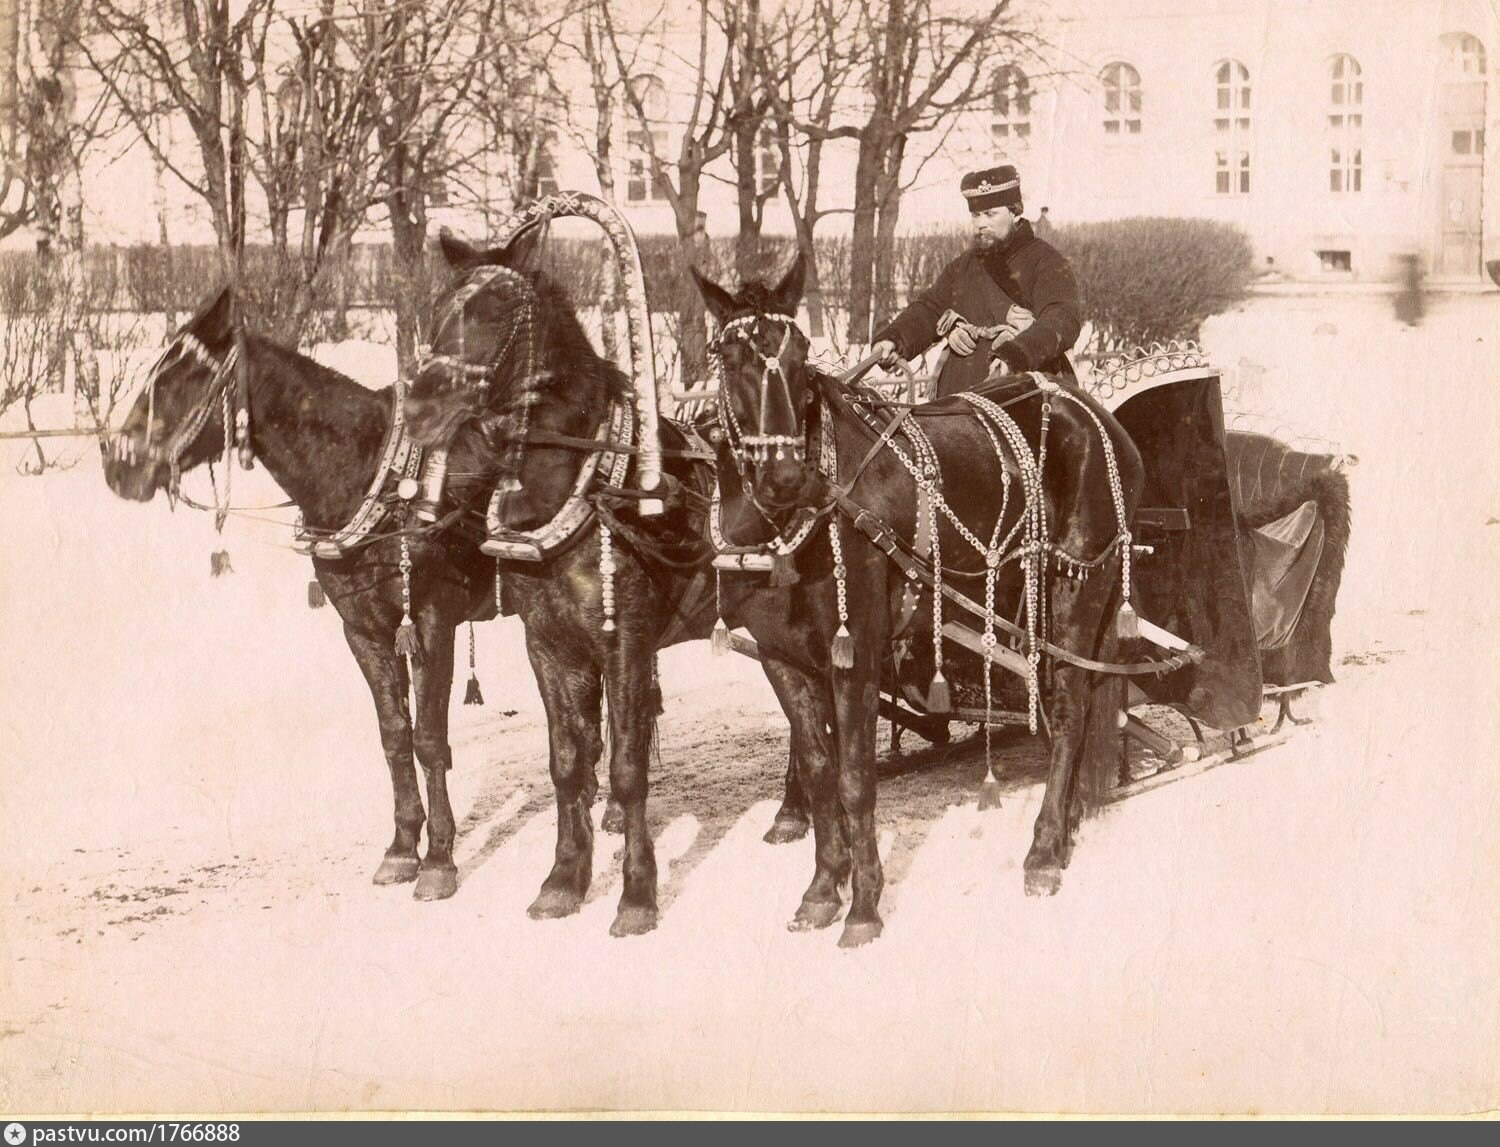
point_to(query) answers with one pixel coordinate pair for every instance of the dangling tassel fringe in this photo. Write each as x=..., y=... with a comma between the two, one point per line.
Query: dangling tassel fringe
x=1127, y=624
x=783, y=571
x=316, y=598
x=842, y=652
x=989, y=793
x=472, y=695
x=218, y=563
x=938, y=700
x=406, y=641
x=718, y=640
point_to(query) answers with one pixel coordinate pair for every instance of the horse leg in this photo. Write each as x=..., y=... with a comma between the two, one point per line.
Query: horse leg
x=385, y=673
x=804, y=700
x=1068, y=716
x=632, y=716
x=856, y=696
x=613, y=820
x=791, y=818
x=437, y=878
x=571, y=694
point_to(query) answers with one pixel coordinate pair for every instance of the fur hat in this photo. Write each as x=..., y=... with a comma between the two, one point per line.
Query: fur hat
x=993, y=187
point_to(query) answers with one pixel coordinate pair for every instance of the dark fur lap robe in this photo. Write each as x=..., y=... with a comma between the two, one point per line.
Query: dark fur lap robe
x=1297, y=506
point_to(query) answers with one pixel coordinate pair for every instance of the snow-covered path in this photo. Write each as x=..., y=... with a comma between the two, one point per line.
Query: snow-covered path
x=194, y=799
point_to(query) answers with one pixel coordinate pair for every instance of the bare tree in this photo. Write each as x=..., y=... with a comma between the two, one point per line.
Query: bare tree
x=46, y=128
x=918, y=64
x=201, y=57
x=310, y=149
x=804, y=66
x=423, y=61
x=706, y=134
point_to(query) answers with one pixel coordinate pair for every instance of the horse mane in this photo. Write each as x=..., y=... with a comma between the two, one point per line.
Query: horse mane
x=575, y=351
x=311, y=370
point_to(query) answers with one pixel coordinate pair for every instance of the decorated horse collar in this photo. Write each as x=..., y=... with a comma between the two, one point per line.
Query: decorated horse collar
x=400, y=458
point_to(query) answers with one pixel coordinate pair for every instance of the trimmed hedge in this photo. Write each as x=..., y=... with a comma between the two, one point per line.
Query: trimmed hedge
x=1150, y=280
x=1143, y=280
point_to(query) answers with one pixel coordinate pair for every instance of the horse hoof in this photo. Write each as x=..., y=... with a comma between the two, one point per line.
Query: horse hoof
x=396, y=870
x=814, y=915
x=633, y=922
x=553, y=904
x=435, y=884
x=614, y=818
x=1043, y=881
x=860, y=932
x=786, y=829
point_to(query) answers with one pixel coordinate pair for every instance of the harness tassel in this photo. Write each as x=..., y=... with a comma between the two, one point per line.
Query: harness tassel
x=718, y=640
x=218, y=563
x=472, y=694
x=842, y=651
x=1127, y=624
x=783, y=571
x=938, y=698
x=316, y=598
x=406, y=640
x=989, y=792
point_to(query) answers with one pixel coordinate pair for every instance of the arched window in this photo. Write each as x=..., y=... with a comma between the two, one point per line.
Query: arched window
x=1463, y=56
x=1010, y=107
x=647, y=140
x=1346, y=98
x=1122, y=99
x=1462, y=97
x=1232, y=128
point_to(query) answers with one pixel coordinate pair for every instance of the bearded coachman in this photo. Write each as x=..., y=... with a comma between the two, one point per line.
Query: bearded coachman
x=1007, y=305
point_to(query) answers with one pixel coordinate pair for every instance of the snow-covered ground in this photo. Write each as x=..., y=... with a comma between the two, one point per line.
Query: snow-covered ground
x=194, y=799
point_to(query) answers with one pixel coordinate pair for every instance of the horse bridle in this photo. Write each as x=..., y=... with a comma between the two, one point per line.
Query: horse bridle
x=758, y=447
x=481, y=375
x=235, y=401
x=763, y=446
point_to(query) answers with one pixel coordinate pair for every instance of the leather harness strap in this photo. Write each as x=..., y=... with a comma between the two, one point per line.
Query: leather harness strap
x=889, y=544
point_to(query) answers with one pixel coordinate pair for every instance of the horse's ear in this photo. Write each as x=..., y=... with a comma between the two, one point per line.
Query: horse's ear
x=520, y=254
x=719, y=301
x=214, y=323
x=461, y=256
x=787, y=294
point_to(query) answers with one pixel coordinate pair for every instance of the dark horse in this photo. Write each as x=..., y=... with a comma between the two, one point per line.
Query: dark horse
x=826, y=647
x=599, y=604
x=321, y=436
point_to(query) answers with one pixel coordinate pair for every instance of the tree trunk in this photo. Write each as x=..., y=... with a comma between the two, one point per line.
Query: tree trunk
x=692, y=329
x=747, y=189
x=888, y=194
x=408, y=234
x=862, y=240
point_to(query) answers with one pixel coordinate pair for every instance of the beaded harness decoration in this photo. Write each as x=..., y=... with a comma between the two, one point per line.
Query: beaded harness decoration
x=1027, y=542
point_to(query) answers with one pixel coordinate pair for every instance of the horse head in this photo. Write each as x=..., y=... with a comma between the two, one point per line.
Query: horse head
x=177, y=421
x=765, y=387
x=486, y=331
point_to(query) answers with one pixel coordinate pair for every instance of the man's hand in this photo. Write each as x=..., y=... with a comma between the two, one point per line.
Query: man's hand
x=961, y=339
x=886, y=349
